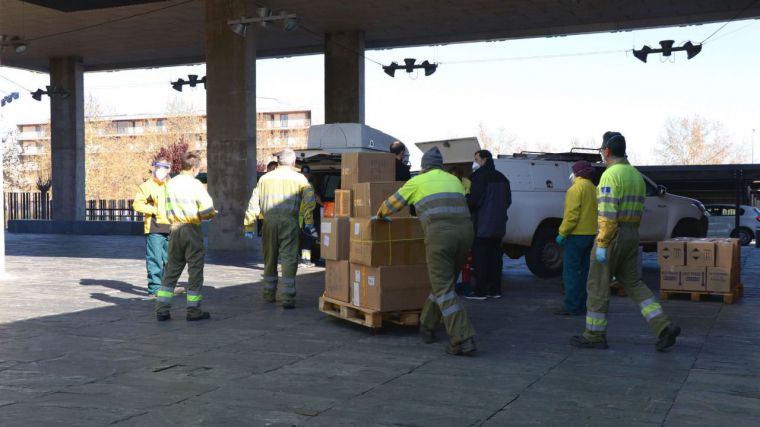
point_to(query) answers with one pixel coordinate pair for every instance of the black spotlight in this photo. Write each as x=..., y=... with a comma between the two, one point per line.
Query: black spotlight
x=409, y=67
x=37, y=94
x=642, y=53
x=429, y=68
x=390, y=69
x=692, y=50
x=178, y=84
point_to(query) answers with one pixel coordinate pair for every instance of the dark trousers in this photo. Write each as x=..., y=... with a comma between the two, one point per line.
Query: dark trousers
x=575, y=266
x=487, y=261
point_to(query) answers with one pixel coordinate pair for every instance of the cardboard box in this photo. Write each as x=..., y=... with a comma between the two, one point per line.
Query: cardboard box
x=693, y=278
x=344, y=203
x=377, y=243
x=389, y=288
x=368, y=196
x=670, y=278
x=337, y=280
x=721, y=279
x=335, y=235
x=671, y=253
x=727, y=253
x=700, y=253
x=366, y=167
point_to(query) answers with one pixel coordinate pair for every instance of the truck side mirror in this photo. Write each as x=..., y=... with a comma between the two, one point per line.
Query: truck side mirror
x=661, y=190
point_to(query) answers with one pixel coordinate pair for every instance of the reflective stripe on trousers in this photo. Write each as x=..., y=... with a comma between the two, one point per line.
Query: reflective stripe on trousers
x=650, y=308
x=596, y=322
x=165, y=294
x=194, y=299
x=270, y=282
x=448, y=311
x=288, y=286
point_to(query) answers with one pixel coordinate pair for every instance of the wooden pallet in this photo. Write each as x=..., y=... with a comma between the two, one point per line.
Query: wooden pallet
x=728, y=297
x=365, y=316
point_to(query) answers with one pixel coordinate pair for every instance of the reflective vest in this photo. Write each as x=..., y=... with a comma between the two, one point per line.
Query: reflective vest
x=150, y=201
x=281, y=192
x=621, y=195
x=435, y=194
x=187, y=201
x=580, y=215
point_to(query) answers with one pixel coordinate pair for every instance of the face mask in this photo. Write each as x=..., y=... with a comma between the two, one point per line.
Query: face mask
x=161, y=173
x=475, y=166
x=571, y=177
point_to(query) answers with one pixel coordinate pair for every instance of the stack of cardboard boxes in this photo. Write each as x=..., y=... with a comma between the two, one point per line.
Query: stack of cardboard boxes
x=699, y=265
x=376, y=265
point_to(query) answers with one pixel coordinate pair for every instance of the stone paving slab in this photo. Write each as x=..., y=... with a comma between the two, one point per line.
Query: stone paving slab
x=79, y=346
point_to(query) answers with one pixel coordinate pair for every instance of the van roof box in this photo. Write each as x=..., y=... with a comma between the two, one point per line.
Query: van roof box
x=342, y=137
x=459, y=150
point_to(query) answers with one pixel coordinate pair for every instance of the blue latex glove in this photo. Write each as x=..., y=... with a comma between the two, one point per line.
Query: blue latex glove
x=601, y=255
x=561, y=240
x=249, y=234
x=310, y=230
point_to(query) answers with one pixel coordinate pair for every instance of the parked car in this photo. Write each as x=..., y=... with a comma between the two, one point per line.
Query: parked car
x=722, y=222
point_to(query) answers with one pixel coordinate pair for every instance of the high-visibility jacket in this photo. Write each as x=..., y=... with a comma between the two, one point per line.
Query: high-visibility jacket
x=621, y=196
x=187, y=201
x=150, y=201
x=435, y=194
x=281, y=192
x=580, y=216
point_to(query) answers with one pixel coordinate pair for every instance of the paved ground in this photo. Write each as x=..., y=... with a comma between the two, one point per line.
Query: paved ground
x=79, y=346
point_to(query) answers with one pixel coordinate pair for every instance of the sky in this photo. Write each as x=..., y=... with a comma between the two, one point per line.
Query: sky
x=545, y=92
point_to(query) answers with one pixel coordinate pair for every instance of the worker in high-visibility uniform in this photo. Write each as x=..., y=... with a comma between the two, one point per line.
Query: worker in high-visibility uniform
x=280, y=195
x=576, y=236
x=445, y=218
x=187, y=204
x=150, y=201
x=621, y=195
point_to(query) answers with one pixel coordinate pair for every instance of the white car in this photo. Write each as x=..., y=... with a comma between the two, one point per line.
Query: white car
x=722, y=222
x=539, y=182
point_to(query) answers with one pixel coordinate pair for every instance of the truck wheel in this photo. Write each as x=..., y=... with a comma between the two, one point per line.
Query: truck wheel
x=544, y=257
x=743, y=234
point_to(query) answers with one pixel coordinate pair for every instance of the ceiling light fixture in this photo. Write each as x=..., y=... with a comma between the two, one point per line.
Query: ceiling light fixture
x=265, y=16
x=15, y=42
x=666, y=49
x=51, y=91
x=192, y=81
x=409, y=66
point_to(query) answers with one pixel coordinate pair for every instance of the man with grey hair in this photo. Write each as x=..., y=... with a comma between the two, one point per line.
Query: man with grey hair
x=280, y=195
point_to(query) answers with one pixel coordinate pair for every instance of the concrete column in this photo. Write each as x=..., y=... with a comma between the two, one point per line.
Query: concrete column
x=231, y=121
x=344, y=77
x=67, y=139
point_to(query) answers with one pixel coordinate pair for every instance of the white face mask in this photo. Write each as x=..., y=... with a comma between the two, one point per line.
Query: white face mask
x=475, y=166
x=161, y=173
x=571, y=177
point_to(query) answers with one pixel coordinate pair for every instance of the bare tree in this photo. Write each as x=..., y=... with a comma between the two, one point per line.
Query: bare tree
x=14, y=178
x=695, y=140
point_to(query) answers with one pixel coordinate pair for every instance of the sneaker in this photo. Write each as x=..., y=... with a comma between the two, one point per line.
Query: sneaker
x=464, y=348
x=668, y=337
x=162, y=317
x=562, y=311
x=428, y=335
x=494, y=296
x=179, y=290
x=288, y=304
x=203, y=316
x=582, y=342
x=474, y=296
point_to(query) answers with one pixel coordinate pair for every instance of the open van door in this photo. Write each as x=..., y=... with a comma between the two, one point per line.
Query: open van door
x=454, y=151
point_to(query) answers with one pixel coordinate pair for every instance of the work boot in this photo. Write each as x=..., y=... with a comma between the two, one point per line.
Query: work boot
x=464, y=348
x=288, y=304
x=582, y=342
x=203, y=316
x=668, y=337
x=428, y=335
x=269, y=296
x=162, y=317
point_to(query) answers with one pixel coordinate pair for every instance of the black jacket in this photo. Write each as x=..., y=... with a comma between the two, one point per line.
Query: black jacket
x=402, y=171
x=489, y=199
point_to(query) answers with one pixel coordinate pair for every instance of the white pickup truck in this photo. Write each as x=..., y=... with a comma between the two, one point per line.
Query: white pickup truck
x=539, y=182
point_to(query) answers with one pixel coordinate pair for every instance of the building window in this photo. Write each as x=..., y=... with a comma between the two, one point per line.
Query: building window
x=283, y=120
x=161, y=125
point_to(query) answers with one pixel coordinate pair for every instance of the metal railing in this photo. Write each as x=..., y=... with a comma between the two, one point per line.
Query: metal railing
x=36, y=205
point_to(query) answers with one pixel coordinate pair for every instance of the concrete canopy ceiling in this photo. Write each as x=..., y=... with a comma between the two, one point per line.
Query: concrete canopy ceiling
x=159, y=33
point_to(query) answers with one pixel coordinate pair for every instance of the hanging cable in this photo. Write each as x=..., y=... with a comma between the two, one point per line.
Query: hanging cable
x=11, y=81
x=754, y=2
x=523, y=58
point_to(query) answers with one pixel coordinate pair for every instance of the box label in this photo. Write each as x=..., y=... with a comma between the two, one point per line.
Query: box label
x=326, y=240
x=370, y=280
x=357, y=296
x=327, y=227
